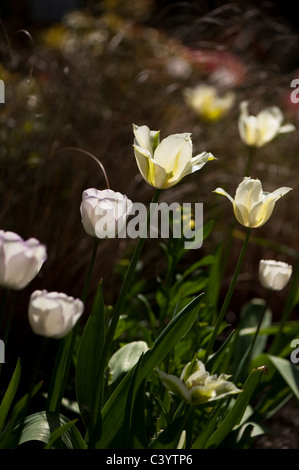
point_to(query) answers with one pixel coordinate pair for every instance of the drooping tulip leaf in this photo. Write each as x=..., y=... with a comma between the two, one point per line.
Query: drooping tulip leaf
x=42, y=425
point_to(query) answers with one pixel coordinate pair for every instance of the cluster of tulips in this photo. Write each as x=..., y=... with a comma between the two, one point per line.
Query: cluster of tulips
x=162, y=164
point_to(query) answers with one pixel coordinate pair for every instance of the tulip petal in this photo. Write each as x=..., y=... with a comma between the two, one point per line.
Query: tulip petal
x=224, y=193
x=287, y=128
x=248, y=193
x=200, y=160
x=144, y=137
x=174, y=152
x=175, y=385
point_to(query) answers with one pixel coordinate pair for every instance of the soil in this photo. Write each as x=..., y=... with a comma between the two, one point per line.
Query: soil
x=284, y=429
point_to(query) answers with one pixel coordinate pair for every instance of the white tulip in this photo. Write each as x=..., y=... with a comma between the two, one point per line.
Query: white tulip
x=20, y=261
x=258, y=130
x=104, y=213
x=252, y=206
x=274, y=275
x=53, y=314
x=196, y=385
x=163, y=164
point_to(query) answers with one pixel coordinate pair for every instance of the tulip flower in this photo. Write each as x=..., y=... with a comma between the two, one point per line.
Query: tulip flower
x=104, y=213
x=206, y=102
x=274, y=275
x=53, y=314
x=258, y=130
x=163, y=164
x=196, y=385
x=252, y=206
x=20, y=260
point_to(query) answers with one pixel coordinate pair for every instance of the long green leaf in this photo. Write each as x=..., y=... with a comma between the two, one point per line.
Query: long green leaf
x=113, y=412
x=235, y=414
x=10, y=394
x=57, y=433
x=288, y=371
x=89, y=356
x=9, y=439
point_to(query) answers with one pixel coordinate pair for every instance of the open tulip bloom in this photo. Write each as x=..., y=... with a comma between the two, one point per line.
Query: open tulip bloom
x=196, y=385
x=163, y=164
x=274, y=275
x=20, y=260
x=253, y=206
x=258, y=130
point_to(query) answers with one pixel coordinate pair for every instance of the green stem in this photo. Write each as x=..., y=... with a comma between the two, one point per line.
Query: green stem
x=97, y=405
x=228, y=296
x=65, y=352
x=251, y=151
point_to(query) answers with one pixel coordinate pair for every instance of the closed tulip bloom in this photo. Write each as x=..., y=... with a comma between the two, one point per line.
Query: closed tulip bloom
x=274, y=275
x=252, y=206
x=163, y=164
x=258, y=130
x=207, y=103
x=104, y=213
x=20, y=260
x=53, y=314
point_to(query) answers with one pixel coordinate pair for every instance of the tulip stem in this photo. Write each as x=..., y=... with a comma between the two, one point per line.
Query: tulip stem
x=228, y=295
x=251, y=151
x=65, y=351
x=97, y=405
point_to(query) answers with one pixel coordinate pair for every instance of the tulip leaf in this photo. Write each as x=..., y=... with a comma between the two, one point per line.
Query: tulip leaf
x=57, y=433
x=250, y=316
x=41, y=426
x=89, y=356
x=9, y=394
x=288, y=371
x=234, y=416
x=112, y=415
x=124, y=359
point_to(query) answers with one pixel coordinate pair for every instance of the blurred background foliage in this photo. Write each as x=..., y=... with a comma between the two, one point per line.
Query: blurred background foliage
x=77, y=78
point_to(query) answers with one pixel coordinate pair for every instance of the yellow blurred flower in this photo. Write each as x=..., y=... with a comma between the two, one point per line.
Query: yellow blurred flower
x=252, y=206
x=206, y=102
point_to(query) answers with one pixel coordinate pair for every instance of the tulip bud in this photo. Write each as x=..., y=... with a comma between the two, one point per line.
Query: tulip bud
x=53, y=314
x=274, y=275
x=104, y=213
x=20, y=261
